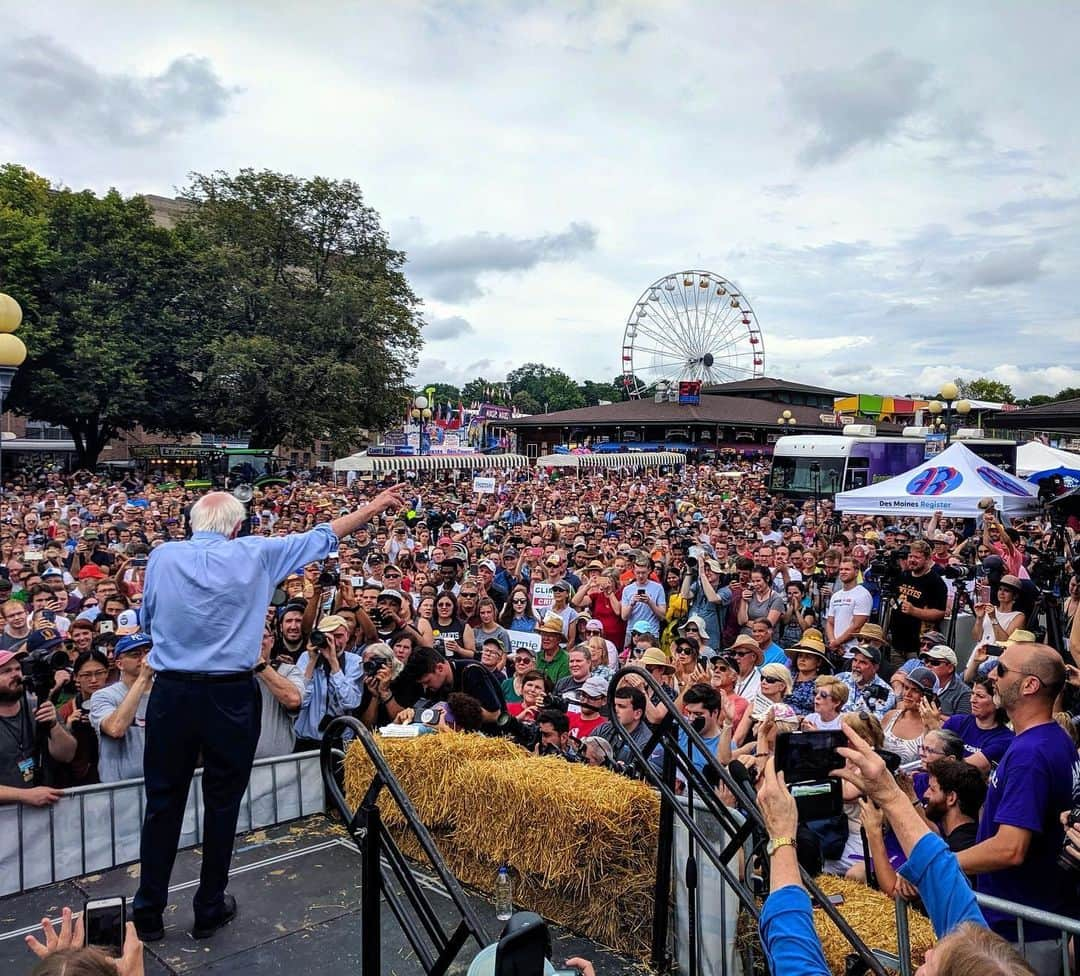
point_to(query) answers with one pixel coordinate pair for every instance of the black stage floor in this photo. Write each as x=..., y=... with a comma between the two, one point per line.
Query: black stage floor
x=298, y=889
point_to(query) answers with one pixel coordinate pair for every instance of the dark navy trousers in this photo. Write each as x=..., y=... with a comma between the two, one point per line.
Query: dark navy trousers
x=186, y=719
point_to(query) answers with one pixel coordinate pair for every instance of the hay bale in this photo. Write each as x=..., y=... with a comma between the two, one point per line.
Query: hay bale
x=873, y=916
x=580, y=841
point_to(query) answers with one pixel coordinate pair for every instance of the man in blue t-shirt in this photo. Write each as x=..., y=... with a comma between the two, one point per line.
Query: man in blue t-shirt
x=1020, y=832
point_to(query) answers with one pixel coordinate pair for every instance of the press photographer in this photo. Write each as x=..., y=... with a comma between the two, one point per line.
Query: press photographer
x=332, y=680
x=31, y=739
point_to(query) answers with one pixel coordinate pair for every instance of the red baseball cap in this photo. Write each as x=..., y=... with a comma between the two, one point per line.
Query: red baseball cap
x=92, y=571
x=6, y=656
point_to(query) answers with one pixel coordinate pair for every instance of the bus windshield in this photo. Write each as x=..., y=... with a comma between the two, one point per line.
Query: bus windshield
x=792, y=475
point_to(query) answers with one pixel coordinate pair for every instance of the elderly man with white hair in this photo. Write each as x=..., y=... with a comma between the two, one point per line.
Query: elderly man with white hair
x=204, y=605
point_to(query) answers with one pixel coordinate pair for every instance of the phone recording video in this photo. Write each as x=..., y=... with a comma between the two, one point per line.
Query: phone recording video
x=103, y=922
x=806, y=759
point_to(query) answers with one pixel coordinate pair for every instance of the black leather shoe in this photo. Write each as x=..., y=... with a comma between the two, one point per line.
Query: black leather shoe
x=207, y=927
x=149, y=925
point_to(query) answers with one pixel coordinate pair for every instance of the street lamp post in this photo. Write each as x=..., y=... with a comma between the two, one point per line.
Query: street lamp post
x=946, y=404
x=786, y=419
x=815, y=483
x=421, y=414
x=12, y=356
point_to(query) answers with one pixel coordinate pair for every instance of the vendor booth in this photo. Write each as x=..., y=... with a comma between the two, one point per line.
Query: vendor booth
x=364, y=463
x=629, y=459
x=952, y=482
x=1036, y=462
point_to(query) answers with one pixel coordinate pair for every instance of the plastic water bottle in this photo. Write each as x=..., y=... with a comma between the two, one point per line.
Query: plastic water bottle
x=504, y=895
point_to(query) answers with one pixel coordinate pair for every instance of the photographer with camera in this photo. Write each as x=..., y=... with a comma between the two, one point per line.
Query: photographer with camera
x=31, y=738
x=704, y=590
x=91, y=673
x=333, y=680
x=380, y=667
x=921, y=598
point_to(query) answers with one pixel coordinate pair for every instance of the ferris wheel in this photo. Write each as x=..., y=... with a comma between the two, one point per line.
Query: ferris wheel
x=694, y=325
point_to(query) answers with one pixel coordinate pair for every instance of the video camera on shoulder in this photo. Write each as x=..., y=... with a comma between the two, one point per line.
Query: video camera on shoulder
x=806, y=759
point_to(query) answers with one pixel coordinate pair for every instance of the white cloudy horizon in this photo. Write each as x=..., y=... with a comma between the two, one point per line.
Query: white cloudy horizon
x=892, y=186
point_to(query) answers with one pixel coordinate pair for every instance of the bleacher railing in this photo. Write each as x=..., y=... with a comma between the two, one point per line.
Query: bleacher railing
x=95, y=828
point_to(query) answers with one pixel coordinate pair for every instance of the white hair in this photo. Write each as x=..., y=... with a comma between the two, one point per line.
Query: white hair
x=217, y=511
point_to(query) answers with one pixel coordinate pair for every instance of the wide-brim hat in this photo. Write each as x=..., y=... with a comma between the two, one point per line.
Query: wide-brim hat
x=551, y=624
x=654, y=657
x=813, y=647
x=743, y=641
x=871, y=632
x=700, y=624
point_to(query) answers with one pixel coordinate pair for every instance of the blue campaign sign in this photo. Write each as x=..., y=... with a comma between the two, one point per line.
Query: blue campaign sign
x=935, y=444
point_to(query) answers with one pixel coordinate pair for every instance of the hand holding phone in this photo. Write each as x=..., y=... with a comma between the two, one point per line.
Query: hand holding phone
x=104, y=921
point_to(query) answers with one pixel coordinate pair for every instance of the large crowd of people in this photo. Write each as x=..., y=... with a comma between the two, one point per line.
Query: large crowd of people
x=509, y=613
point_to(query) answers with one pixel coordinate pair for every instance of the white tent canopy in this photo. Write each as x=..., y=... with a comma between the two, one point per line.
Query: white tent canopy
x=1034, y=457
x=952, y=482
x=430, y=462
x=639, y=459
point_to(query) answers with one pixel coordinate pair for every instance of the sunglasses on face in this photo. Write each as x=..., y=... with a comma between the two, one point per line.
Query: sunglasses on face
x=745, y=653
x=771, y=680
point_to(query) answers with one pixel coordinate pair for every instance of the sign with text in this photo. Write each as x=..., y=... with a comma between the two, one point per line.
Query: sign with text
x=690, y=392
x=524, y=638
x=483, y=485
x=543, y=598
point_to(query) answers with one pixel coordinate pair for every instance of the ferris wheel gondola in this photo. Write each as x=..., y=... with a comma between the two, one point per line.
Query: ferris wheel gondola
x=693, y=325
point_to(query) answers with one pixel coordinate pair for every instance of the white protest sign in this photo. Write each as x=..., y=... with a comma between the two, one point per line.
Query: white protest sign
x=523, y=638
x=483, y=485
x=543, y=598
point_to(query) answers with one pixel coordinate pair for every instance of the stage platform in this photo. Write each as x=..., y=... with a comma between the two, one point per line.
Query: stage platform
x=298, y=889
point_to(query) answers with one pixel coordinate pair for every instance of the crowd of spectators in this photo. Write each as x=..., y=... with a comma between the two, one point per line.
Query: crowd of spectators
x=509, y=613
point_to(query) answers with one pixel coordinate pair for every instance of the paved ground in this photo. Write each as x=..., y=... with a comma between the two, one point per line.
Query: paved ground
x=298, y=888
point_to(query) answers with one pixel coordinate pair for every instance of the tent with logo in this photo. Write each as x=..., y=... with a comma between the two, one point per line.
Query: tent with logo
x=952, y=482
x=1036, y=461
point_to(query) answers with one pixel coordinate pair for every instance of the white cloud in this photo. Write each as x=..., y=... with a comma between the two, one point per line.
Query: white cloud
x=538, y=177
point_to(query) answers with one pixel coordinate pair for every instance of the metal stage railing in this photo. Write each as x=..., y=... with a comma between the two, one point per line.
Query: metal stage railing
x=745, y=827
x=95, y=828
x=383, y=864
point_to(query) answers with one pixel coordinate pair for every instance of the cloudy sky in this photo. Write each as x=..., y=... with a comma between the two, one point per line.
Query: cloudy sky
x=893, y=186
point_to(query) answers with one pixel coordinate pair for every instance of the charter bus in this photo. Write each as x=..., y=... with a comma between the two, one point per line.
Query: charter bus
x=858, y=458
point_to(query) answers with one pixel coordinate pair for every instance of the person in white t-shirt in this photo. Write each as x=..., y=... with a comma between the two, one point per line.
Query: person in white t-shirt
x=849, y=608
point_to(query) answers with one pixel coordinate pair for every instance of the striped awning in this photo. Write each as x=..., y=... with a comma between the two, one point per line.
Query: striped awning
x=430, y=462
x=640, y=459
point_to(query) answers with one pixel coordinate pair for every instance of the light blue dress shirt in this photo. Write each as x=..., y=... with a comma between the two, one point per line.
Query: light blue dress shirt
x=205, y=600
x=329, y=694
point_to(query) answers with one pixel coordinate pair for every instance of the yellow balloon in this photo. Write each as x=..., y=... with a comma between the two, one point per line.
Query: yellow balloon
x=10, y=313
x=12, y=350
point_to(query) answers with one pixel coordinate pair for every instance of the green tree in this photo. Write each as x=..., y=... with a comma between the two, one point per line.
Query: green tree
x=595, y=392
x=524, y=401
x=107, y=344
x=444, y=392
x=549, y=387
x=983, y=388
x=475, y=391
x=314, y=326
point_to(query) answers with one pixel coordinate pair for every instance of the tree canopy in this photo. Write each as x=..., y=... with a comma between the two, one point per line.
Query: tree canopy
x=313, y=327
x=984, y=388
x=106, y=345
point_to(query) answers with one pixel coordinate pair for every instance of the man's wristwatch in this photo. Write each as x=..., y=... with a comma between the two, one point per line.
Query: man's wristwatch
x=260, y=667
x=775, y=843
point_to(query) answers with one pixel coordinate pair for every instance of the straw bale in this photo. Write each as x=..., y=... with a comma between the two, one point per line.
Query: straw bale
x=580, y=841
x=873, y=916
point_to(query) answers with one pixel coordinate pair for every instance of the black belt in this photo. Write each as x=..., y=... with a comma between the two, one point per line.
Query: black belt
x=204, y=677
